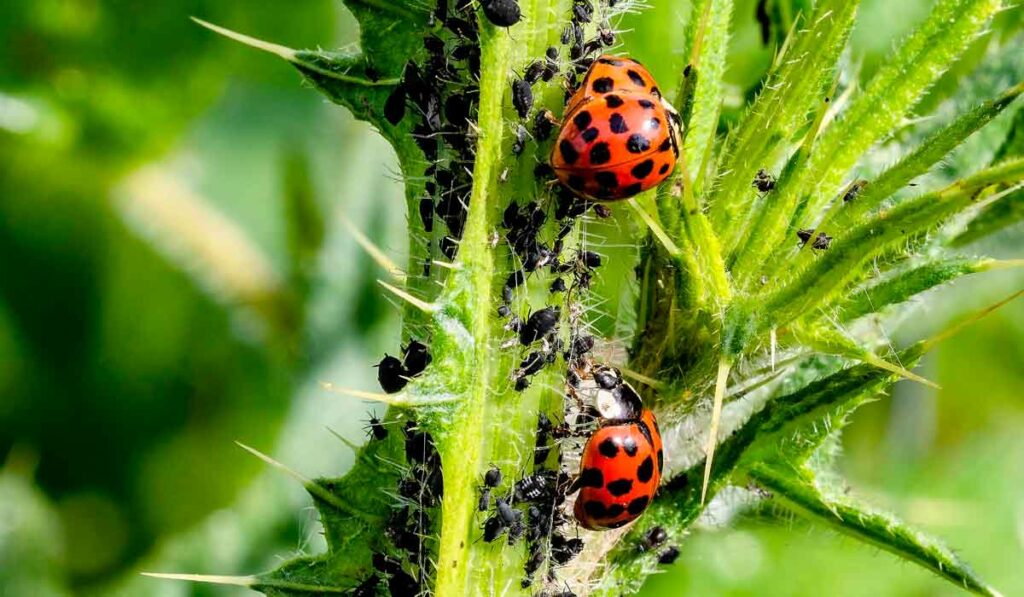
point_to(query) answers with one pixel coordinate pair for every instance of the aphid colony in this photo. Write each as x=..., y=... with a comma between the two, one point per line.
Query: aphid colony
x=409, y=526
x=617, y=137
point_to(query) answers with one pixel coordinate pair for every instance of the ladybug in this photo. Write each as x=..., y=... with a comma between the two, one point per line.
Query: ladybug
x=619, y=136
x=622, y=461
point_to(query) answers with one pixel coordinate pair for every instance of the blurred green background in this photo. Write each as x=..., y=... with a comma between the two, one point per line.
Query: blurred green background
x=175, y=276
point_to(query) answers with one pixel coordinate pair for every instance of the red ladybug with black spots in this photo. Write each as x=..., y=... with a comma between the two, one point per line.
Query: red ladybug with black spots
x=623, y=459
x=619, y=136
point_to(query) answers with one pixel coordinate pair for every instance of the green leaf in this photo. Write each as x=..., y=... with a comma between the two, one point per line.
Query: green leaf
x=873, y=115
x=710, y=89
x=1010, y=209
x=796, y=487
x=907, y=283
x=893, y=91
x=840, y=263
x=803, y=73
x=921, y=159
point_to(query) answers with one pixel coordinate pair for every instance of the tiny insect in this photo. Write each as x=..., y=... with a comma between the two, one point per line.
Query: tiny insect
x=375, y=428
x=764, y=182
x=416, y=359
x=619, y=136
x=520, y=142
x=854, y=190
x=821, y=242
x=653, y=538
x=543, y=125
x=394, y=106
x=522, y=97
x=539, y=324
x=502, y=13
x=669, y=555
x=391, y=374
x=582, y=11
x=427, y=213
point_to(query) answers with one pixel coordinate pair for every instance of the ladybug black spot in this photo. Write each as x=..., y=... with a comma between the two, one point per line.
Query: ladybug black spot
x=608, y=449
x=663, y=169
x=595, y=509
x=636, y=78
x=638, y=505
x=568, y=152
x=582, y=119
x=645, y=471
x=661, y=461
x=632, y=189
x=603, y=85
x=576, y=182
x=615, y=510
x=590, y=134
x=646, y=104
x=665, y=145
x=641, y=170
x=653, y=124
x=614, y=101
x=620, y=487
x=618, y=123
x=629, y=446
x=638, y=143
x=607, y=180
x=600, y=154
x=591, y=477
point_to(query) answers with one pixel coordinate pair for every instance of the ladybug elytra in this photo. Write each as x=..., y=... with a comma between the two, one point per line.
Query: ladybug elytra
x=619, y=137
x=619, y=473
x=622, y=461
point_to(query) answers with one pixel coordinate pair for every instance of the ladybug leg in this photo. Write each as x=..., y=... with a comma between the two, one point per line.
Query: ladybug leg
x=574, y=486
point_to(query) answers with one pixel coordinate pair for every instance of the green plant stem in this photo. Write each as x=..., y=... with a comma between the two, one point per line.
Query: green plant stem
x=472, y=286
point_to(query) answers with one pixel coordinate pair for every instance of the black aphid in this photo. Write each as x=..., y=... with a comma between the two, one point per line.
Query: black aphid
x=391, y=374
x=539, y=324
x=522, y=97
x=502, y=13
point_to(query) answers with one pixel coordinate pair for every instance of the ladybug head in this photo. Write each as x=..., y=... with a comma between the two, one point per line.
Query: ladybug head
x=615, y=399
x=675, y=124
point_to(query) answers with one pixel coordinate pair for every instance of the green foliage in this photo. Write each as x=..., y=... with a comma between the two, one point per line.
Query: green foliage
x=720, y=284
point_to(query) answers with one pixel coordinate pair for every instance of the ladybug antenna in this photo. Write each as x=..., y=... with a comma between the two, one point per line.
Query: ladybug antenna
x=375, y=252
x=716, y=414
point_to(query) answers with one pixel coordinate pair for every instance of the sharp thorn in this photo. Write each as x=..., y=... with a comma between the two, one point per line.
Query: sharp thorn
x=238, y=581
x=656, y=229
x=883, y=364
x=415, y=302
x=716, y=415
x=375, y=252
x=291, y=55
